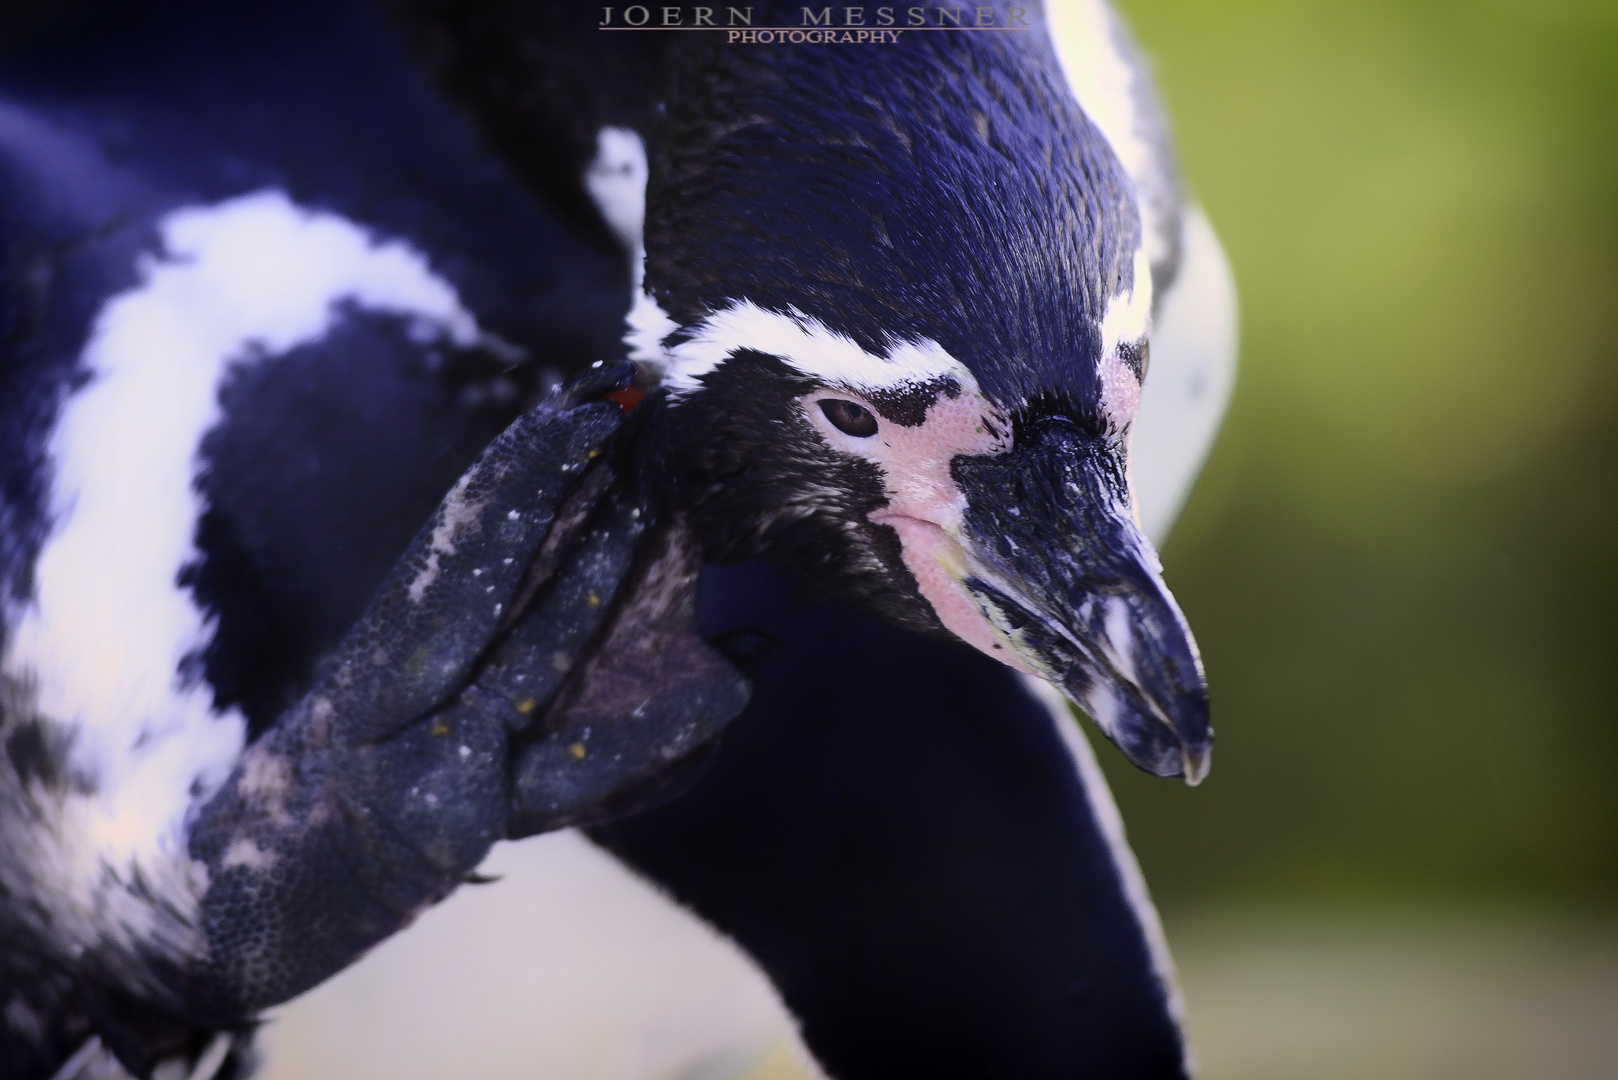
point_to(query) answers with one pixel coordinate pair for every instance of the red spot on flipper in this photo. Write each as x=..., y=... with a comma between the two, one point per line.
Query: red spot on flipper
x=627, y=399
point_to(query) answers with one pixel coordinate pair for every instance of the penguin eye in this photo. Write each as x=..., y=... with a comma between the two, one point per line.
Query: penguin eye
x=849, y=418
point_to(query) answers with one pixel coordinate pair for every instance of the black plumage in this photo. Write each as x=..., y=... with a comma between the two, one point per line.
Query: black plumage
x=897, y=197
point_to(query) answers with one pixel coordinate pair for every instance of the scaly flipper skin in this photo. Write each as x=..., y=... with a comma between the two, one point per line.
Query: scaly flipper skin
x=430, y=736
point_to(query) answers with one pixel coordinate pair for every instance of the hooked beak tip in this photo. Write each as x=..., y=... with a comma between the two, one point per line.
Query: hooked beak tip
x=1063, y=574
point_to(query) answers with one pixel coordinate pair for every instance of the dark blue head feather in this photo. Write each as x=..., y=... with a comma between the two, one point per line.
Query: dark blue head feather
x=947, y=187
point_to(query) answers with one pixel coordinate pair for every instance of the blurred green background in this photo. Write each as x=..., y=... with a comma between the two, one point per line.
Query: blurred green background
x=1400, y=560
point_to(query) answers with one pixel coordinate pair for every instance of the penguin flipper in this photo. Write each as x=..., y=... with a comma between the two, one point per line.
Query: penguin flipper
x=905, y=838
x=531, y=662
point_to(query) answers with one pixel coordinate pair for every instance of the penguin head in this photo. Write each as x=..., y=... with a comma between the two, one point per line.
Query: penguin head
x=902, y=311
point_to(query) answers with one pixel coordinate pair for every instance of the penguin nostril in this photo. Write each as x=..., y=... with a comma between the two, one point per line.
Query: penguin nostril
x=849, y=418
x=1056, y=416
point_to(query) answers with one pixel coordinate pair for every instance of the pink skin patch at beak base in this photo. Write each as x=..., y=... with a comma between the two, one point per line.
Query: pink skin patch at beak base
x=1120, y=401
x=926, y=549
x=1120, y=393
x=924, y=502
x=925, y=505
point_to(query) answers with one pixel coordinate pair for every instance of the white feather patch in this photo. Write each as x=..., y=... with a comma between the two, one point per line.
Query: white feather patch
x=1128, y=317
x=1087, y=39
x=631, y=986
x=616, y=181
x=805, y=344
x=101, y=643
x=648, y=324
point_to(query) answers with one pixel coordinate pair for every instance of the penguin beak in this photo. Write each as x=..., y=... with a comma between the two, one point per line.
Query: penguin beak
x=1061, y=571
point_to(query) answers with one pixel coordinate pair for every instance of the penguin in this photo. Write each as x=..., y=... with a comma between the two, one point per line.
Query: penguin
x=286, y=283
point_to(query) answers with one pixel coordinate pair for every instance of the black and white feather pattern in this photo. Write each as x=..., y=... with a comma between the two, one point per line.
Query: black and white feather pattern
x=297, y=453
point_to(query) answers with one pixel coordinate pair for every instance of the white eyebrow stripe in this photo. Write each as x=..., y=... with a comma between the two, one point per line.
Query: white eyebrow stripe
x=803, y=343
x=1128, y=317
